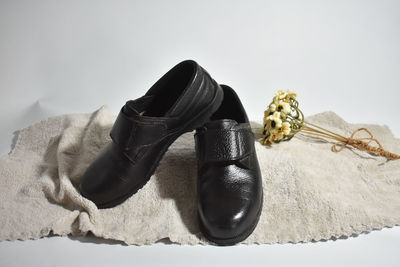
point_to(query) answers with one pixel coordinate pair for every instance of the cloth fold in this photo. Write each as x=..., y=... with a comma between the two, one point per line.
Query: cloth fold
x=310, y=192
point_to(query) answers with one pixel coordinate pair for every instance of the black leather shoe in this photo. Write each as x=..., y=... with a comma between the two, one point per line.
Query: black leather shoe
x=229, y=186
x=180, y=101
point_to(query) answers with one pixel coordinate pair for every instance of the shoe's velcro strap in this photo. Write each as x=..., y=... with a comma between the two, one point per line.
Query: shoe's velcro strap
x=134, y=134
x=224, y=144
x=128, y=132
x=137, y=106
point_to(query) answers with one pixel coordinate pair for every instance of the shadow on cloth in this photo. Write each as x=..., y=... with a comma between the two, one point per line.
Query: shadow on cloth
x=181, y=186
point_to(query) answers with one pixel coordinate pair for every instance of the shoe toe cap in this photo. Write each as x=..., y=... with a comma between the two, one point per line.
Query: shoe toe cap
x=229, y=203
x=104, y=180
x=227, y=219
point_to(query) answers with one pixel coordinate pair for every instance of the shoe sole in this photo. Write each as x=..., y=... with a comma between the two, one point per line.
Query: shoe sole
x=197, y=122
x=236, y=239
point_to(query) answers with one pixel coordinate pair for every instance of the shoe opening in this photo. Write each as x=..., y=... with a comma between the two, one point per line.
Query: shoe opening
x=231, y=107
x=169, y=88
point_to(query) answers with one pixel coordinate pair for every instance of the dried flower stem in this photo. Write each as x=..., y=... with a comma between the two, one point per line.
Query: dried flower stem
x=359, y=143
x=342, y=142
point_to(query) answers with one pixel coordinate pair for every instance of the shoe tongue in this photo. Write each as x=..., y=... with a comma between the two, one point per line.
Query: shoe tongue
x=221, y=124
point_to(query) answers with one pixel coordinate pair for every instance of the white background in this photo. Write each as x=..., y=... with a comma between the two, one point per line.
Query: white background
x=61, y=57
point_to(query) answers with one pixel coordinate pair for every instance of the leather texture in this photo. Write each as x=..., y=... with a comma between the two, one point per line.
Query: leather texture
x=180, y=101
x=230, y=191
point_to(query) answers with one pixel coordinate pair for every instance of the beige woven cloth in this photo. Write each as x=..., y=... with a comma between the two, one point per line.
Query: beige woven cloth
x=310, y=192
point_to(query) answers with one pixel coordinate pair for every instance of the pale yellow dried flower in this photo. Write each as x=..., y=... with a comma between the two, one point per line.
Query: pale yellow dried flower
x=283, y=107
